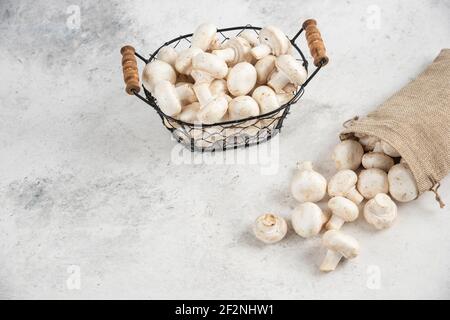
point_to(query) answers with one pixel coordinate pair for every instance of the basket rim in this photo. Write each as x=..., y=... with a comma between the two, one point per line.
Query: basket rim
x=293, y=100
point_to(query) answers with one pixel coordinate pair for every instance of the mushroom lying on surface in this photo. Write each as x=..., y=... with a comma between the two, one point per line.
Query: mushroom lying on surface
x=264, y=68
x=234, y=51
x=402, y=184
x=205, y=68
x=339, y=245
x=241, y=79
x=157, y=71
x=204, y=36
x=348, y=155
x=342, y=210
x=270, y=228
x=242, y=107
x=288, y=71
x=377, y=160
x=168, y=55
x=380, y=211
x=343, y=184
x=371, y=182
x=167, y=98
x=272, y=41
x=266, y=98
x=307, y=219
x=308, y=185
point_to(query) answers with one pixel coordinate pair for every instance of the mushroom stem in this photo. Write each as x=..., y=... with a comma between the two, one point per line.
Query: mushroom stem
x=335, y=223
x=261, y=51
x=227, y=54
x=330, y=261
x=203, y=93
x=354, y=196
x=278, y=81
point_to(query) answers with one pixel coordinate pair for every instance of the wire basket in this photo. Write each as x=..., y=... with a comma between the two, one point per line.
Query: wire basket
x=228, y=134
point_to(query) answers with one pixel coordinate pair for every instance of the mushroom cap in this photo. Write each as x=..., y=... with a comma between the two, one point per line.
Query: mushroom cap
x=377, y=160
x=307, y=219
x=210, y=64
x=213, y=111
x=189, y=113
x=380, y=211
x=203, y=36
x=157, y=71
x=341, y=182
x=251, y=36
x=183, y=64
x=340, y=242
x=368, y=142
x=168, y=54
x=270, y=228
x=344, y=208
x=275, y=39
x=241, y=49
x=402, y=184
x=292, y=68
x=266, y=98
x=218, y=86
x=167, y=98
x=243, y=107
x=371, y=182
x=241, y=79
x=264, y=68
x=308, y=185
x=348, y=155
x=389, y=150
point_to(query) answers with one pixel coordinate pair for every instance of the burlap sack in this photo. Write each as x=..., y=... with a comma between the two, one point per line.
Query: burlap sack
x=416, y=122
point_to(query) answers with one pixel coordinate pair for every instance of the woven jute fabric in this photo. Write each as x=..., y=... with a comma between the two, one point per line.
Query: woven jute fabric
x=416, y=122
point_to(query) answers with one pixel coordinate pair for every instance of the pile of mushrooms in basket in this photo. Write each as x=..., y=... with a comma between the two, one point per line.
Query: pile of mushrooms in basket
x=211, y=82
x=368, y=169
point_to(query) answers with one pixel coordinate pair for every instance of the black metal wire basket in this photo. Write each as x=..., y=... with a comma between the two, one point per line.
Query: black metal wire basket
x=228, y=134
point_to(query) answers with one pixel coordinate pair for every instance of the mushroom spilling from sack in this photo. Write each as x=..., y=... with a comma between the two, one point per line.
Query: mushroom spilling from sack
x=215, y=81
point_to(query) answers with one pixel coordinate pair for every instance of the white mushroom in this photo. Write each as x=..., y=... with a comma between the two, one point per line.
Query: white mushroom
x=272, y=41
x=251, y=36
x=266, y=99
x=339, y=245
x=204, y=36
x=242, y=107
x=377, y=160
x=157, y=71
x=218, y=87
x=205, y=68
x=368, y=142
x=270, y=228
x=348, y=155
x=168, y=55
x=389, y=150
x=342, y=210
x=380, y=211
x=307, y=219
x=284, y=97
x=241, y=79
x=308, y=185
x=288, y=71
x=189, y=113
x=213, y=111
x=343, y=184
x=402, y=184
x=167, y=98
x=234, y=51
x=183, y=64
x=371, y=182
x=264, y=68
x=185, y=93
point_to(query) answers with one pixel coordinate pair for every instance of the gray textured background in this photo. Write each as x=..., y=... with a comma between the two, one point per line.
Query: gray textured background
x=86, y=176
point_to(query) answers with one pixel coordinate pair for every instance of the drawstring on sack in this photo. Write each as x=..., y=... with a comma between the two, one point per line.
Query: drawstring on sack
x=347, y=123
x=434, y=189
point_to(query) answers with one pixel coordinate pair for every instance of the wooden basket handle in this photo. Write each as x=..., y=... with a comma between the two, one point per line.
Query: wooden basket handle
x=130, y=70
x=315, y=43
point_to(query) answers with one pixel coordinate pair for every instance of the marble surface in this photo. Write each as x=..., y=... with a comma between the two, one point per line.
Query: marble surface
x=93, y=203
